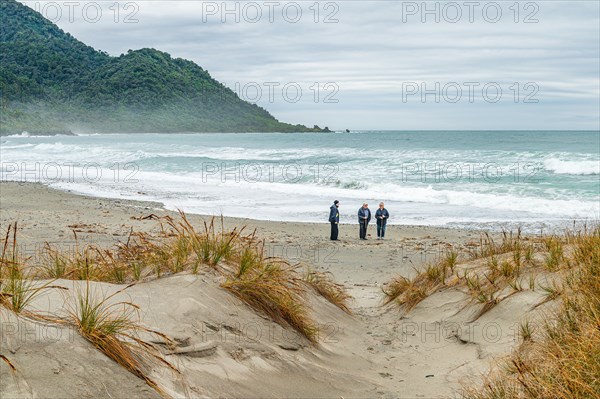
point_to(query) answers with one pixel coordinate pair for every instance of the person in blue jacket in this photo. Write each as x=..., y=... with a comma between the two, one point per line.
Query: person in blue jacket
x=364, y=217
x=382, y=215
x=334, y=219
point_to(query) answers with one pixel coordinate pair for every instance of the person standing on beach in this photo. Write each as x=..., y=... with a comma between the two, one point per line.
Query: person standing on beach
x=382, y=216
x=364, y=217
x=334, y=219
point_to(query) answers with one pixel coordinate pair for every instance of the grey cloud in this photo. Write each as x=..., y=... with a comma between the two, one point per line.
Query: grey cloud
x=371, y=52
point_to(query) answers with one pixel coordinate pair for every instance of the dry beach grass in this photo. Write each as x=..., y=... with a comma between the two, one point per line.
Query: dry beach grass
x=563, y=360
x=269, y=285
x=173, y=302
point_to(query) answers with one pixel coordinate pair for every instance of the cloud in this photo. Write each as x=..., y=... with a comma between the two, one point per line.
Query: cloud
x=373, y=51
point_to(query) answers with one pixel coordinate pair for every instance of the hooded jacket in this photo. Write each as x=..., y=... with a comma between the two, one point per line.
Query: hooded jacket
x=334, y=214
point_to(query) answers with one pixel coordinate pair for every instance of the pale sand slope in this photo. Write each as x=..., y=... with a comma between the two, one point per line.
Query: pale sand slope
x=377, y=352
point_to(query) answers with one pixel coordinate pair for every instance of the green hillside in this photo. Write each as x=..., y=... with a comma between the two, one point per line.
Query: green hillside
x=52, y=83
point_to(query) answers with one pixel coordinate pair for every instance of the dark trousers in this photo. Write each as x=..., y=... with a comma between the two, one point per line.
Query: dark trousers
x=363, y=229
x=381, y=230
x=334, y=231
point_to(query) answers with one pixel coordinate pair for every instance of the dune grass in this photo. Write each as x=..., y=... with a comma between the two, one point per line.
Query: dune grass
x=324, y=284
x=179, y=248
x=526, y=331
x=82, y=262
x=268, y=285
x=112, y=327
x=273, y=287
x=17, y=286
x=496, y=270
x=16, y=290
x=562, y=357
x=407, y=293
x=559, y=359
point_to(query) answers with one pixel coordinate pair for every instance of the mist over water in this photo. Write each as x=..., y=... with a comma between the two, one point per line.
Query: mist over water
x=470, y=179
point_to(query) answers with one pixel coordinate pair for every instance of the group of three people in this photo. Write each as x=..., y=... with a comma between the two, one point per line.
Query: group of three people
x=364, y=217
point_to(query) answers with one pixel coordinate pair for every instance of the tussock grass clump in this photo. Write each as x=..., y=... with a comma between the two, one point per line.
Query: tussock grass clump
x=329, y=289
x=78, y=263
x=436, y=274
x=112, y=328
x=520, y=247
x=496, y=268
x=17, y=288
x=407, y=293
x=269, y=285
x=210, y=247
x=526, y=331
x=555, y=255
x=54, y=264
x=180, y=248
x=272, y=287
x=564, y=362
x=451, y=260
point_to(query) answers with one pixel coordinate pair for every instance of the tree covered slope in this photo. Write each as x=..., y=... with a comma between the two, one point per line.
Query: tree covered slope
x=52, y=83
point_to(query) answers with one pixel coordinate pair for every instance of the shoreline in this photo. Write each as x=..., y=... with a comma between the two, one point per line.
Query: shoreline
x=377, y=351
x=45, y=214
x=159, y=206
x=530, y=228
x=191, y=175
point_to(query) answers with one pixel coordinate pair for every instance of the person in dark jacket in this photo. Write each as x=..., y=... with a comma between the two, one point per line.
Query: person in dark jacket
x=334, y=219
x=382, y=215
x=364, y=217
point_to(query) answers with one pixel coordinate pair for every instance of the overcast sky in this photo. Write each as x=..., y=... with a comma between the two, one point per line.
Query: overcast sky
x=484, y=65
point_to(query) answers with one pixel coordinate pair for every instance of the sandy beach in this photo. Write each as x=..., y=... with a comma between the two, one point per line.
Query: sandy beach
x=378, y=351
x=50, y=215
x=169, y=171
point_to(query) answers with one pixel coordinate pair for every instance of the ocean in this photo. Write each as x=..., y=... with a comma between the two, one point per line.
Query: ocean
x=466, y=179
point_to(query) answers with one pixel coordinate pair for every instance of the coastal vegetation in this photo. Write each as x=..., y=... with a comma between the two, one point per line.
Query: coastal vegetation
x=271, y=286
x=559, y=357
x=52, y=83
x=555, y=358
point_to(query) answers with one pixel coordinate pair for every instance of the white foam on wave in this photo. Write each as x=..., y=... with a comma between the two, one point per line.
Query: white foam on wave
x=26, y=134
x=22, y=134
x=194, y=189
x=581, y=167
x=8, y=146
x=305, y=202
x=419, y=195
x=64, y=153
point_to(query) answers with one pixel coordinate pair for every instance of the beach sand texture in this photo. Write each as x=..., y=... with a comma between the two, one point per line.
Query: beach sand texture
x=224, y=348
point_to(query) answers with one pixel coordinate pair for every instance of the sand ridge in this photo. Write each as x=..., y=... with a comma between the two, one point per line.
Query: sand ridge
x=226, y=349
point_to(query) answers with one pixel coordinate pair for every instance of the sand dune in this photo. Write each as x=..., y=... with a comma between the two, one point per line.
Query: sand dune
x=225, y=349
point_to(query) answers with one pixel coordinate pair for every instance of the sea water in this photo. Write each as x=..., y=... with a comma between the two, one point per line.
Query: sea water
x=473, y=179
